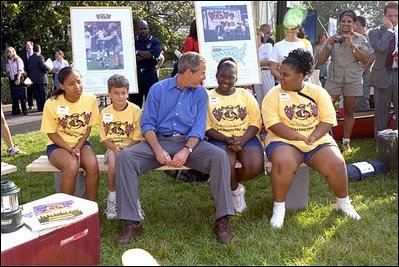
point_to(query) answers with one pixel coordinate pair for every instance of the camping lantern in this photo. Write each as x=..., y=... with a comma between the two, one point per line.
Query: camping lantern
x=11, y=213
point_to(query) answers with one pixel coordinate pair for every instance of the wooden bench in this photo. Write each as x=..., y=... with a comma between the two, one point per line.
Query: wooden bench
x=7, y=168
x=297, y=197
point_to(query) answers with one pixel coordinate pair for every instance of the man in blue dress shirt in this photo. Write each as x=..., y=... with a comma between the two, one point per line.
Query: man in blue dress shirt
x=173, y=124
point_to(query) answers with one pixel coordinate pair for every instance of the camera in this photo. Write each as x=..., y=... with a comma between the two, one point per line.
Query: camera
x=340, y=39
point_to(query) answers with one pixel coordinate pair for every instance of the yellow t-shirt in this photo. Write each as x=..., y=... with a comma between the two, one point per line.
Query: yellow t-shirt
x=299, y=113
x=232, y=114
x=69, y=120
x=120, y=127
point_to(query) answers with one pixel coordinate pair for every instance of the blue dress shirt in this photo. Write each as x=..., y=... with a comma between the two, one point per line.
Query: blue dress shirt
x=171, y=110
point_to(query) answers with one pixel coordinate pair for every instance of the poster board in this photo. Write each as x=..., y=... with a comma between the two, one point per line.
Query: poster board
x=228, y=31
x=103, y=45
x=332, y=27
x=310, y=26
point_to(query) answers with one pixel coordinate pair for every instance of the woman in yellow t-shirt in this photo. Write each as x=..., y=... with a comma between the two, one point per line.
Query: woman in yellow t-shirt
x=68, y=117
x=298, y=116
x=232, y=124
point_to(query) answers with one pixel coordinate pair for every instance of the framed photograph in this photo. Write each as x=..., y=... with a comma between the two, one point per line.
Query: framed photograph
x=103, y=45
x=228, y=31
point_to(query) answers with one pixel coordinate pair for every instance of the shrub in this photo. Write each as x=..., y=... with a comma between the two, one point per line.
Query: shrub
x=164, y=73
x=5, y=88
x=5, y=91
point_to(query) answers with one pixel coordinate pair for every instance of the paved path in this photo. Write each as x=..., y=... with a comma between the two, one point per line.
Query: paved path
x=20, y=123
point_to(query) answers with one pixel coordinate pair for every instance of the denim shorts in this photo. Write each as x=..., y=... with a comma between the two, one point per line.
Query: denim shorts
x=306, y=156
x=52, y=147
x=254, y=141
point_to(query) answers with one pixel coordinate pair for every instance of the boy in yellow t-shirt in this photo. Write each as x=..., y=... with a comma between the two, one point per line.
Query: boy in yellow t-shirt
x=119, y=129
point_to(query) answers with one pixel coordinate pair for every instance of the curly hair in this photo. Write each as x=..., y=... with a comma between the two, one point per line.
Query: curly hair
x=301, y=60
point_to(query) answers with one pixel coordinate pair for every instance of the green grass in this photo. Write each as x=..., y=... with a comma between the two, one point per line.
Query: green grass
x=179, y=218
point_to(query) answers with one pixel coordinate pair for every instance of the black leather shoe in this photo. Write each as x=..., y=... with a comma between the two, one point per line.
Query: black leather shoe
x=222, y=230
x=129, y=231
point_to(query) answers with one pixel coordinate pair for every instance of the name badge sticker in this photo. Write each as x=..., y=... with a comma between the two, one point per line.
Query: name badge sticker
x=284, y=97
x=63, y=110
x=214, y=100
x=108, y=117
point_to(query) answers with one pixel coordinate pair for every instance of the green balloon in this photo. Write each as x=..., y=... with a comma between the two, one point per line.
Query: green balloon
x=294, y=17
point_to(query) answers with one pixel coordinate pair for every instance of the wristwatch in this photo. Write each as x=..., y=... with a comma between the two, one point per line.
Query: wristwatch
x=188, y=148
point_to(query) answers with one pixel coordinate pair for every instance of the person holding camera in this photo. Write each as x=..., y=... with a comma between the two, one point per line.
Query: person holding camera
x=15, y=69
x=348, y=51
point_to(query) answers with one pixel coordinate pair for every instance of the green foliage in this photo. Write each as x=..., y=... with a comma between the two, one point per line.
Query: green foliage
x=371, y=10
x=179, y=218
x=164, y=73
x=5, y=91
x=5, y=88
x=48, y=22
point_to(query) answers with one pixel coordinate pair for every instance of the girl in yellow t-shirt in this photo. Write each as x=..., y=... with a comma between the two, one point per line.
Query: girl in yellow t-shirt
x=68, y=117
x=232, y=124
x=298, y=117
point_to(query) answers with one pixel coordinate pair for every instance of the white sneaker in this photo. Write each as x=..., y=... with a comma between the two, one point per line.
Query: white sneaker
x=141, y=211
x=111, y=211
x=239, y=198
x=13, y=151
x=277, y=219
x=348, y=209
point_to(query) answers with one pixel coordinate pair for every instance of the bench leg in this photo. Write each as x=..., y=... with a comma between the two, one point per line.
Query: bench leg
x=298, y=195
x=80, y=187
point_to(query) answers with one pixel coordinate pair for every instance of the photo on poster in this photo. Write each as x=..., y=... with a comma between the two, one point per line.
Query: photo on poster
x=225, y=23
x=102, y=44
x=228, y=31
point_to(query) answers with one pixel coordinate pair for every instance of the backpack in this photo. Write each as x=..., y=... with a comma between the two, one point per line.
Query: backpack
x=188, y=175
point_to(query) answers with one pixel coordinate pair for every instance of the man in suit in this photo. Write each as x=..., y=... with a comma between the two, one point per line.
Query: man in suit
x=26, y=53
x=38, y=74
x=384, y=73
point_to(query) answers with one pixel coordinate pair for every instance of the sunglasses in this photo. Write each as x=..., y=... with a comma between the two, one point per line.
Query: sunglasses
x=290, y=29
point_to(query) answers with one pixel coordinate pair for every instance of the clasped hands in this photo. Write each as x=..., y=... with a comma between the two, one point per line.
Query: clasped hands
x=178, y=160
x=75, y=152
x=235, y=143
x=308, y=140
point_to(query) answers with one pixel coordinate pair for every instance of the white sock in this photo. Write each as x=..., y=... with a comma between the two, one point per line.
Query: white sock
x=236, y=190
x=343, y=200
x=346, y=140
x=112, y=195
x=278, y=215
x=279, y=205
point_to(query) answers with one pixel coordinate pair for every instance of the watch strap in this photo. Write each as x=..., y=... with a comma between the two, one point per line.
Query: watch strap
x=188, y=148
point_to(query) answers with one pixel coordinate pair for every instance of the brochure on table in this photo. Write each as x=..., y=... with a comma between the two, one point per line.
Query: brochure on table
x=31, y=220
